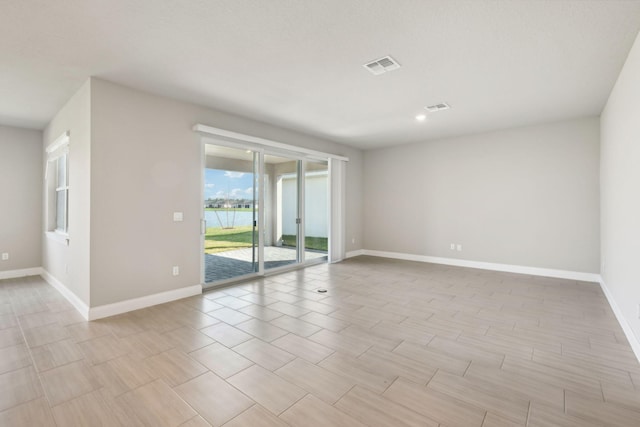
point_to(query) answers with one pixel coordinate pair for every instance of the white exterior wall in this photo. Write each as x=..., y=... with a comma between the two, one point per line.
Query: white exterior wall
x=315, y=207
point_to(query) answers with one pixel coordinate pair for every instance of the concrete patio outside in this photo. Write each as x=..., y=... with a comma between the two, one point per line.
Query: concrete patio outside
x=238, y=262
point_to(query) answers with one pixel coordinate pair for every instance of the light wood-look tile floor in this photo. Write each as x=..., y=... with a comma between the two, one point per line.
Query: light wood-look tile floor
x=391, y=343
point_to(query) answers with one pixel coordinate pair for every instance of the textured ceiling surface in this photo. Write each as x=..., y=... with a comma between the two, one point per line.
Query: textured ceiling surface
x=298, y=63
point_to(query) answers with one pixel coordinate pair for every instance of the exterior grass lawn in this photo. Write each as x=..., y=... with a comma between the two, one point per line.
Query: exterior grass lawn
x=310, y=242
x=227, y=239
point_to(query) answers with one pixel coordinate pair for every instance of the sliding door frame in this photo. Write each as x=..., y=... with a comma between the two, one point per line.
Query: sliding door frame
x=257, y=172
x=335, y=193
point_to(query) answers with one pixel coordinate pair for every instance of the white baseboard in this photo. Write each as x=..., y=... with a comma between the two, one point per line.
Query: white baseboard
x=12, y=274
x=631, y=337
x=357, y=252
x=533, y=271
x=107, y=310
x=164, y=297
x=82, y=308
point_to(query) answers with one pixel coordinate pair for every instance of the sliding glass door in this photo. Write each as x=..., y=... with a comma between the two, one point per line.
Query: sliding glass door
x=282, y=225
x=263, y=211
x=230, y=219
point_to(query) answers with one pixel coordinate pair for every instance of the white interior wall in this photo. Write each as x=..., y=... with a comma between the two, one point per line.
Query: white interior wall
x=524, y=197
x=69, y=265
x=20, y=198
x=620, y=188
x=145, y=164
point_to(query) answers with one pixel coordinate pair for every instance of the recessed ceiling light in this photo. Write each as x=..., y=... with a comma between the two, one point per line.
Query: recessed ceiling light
x=421, y=117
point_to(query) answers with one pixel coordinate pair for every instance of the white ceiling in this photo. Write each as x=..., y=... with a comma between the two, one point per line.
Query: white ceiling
x=297, y=63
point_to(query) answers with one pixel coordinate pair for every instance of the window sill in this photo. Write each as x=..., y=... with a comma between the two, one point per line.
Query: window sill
x=56, y=236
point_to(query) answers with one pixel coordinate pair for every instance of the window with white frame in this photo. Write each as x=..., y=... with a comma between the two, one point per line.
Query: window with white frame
x=57, y=176
x=62, y=193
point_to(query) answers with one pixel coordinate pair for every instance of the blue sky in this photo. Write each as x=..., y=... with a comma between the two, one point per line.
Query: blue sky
x=227, y=184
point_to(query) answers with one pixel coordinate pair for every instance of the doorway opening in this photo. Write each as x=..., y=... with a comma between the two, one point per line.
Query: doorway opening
x=261, y=212
x=230, y=214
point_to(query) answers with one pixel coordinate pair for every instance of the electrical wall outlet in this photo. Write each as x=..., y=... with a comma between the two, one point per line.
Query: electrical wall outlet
x=176, y=270
x=178, y=216
x=5, y=256
x=459, y=247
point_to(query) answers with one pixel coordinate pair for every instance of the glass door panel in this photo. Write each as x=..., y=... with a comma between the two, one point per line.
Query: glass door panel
x=316, y=210
x=230, y=213
x=261, y=212
x=282, y=218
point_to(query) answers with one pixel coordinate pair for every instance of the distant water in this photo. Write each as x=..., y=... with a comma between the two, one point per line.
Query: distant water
x=228, y=218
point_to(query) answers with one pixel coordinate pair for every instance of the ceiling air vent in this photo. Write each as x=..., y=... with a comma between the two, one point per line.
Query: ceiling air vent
x=382, y=65
x=437, y=107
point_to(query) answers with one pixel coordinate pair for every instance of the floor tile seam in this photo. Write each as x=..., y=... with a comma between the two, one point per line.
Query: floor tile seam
x=255, y=404
x=294, y=403
x=339, y=331
x=64, y=402
x=356, y=418
x=153, y=377
x=44, y=371
x=526, y=423
x=175, y=394
x=267, y=343
x=574, y=388
x=479, y=389
x=337, y=350
x=594, y=377
x=33, y=366
x=484, y=418
x=43, y=396
x=400, y=377
x=608, y=405
x=531, y=397
x=308, y=391
x=616, y=404
x=457, y=359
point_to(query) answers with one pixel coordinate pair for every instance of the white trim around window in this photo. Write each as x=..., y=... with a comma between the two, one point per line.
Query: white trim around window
x=57, y=186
